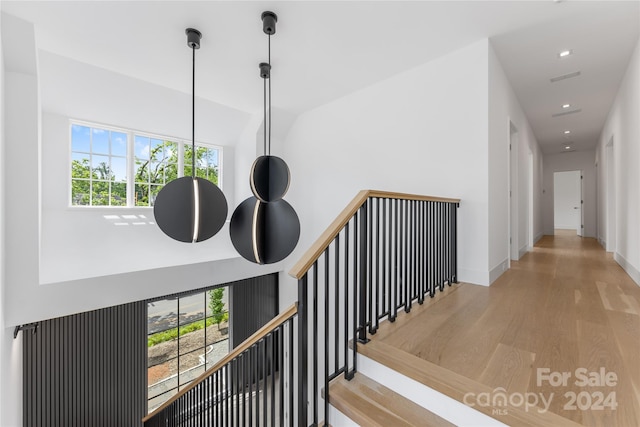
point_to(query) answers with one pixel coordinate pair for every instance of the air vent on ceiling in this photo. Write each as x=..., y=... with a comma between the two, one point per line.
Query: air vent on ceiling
x=565, y=76
x=567, y=112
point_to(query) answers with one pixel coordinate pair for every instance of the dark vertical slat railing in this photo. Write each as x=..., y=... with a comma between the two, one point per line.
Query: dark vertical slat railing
x=390, y=252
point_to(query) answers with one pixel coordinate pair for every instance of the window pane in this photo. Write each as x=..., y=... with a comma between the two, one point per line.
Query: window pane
x=157, y=173
x=163, y=382
x=142, y=195
x=118, y=144
x=80, y=138
x=118, y=169
x=118, y=194
x=187, y=170
x=100, y=167
x=171, y=151
x=170, y=172
x=157, y=150
x=100, y=141
x=80, y=165
x=100, y=193
x=80, y=192
x=142, y=171
x=187, y=156
x=155, y=189
x=141, y=147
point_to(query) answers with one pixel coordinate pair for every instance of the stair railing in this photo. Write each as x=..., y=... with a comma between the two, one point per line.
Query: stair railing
x=383, y=253
x=254, y=385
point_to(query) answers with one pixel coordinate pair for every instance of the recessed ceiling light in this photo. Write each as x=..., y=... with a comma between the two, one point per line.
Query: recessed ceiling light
x=567, y=132
x=568, y=147
x=565, y=53
x=566, y=105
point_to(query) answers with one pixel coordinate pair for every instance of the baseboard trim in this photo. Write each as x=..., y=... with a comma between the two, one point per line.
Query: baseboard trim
x=538, y=237
x=523, y=250
x=473, y=276
x=498, y=270
x=633, y=272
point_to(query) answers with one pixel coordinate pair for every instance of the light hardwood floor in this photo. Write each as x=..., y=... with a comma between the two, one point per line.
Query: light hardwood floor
x=566, y=308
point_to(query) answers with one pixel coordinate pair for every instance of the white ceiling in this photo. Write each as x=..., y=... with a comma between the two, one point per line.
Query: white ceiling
x=324, y=50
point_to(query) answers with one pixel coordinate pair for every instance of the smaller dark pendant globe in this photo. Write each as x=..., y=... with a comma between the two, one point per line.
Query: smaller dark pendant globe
x=264, y=233
x=269, y=178
x=190, y=209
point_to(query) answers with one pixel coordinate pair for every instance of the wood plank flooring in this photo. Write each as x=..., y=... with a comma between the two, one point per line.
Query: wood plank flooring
x=566, y=308
x=371, y=404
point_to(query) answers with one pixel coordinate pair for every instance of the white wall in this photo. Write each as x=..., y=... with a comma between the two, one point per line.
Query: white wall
x=562, y=162
x=423, y=131
x=624, y=127
x=504, y=108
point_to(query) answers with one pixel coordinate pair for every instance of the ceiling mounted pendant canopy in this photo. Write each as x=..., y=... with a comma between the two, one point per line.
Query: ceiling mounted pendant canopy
x=265, y=228
x=191, y=209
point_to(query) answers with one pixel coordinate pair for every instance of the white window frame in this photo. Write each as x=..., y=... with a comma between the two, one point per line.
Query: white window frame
x=130, y=158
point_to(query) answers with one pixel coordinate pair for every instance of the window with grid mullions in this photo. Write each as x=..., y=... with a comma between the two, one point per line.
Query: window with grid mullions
x=98, y=166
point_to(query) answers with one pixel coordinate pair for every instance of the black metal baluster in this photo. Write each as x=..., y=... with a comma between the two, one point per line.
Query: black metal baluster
x=432, y=240
x=369, y=250
x=273, y=377
x=376, y=315
x=303, y=349
x=281, y=373
x=250, y=386
x=245, y=379
x=394, y=302
x=455, y=242
x=314, y=328
x=336, y=302
x=357, y=268
x=347, y=374
x=363, y=284
x=326, y=335
x=265, y=382
x=291, y=378
x=385, y=281
x=442, y=248
x=405, y=258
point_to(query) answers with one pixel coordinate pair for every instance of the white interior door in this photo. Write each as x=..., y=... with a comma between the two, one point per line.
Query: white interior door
x=567, y=201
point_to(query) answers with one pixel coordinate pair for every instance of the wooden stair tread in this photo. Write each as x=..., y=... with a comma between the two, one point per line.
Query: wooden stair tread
x=454, y=385
x=369, y=403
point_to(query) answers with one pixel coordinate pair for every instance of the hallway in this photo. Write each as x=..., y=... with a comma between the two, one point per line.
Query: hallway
x=561, y=328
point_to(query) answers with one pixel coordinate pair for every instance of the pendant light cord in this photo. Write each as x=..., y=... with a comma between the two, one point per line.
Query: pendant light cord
x=264, y=102
x=269, y=95
x=193, y=114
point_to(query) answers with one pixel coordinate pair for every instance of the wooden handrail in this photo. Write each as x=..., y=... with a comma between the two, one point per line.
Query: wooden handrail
x=257, y=336
x=325, y=239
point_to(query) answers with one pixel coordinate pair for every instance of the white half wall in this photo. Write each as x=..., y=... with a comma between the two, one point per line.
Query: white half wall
x=623, y=128
x=563, y=162
x=504, y=110
x=423, y=131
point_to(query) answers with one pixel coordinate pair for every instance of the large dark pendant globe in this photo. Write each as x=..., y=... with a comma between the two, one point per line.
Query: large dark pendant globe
x=190, y=209
x=264, y=233
x=269, y=178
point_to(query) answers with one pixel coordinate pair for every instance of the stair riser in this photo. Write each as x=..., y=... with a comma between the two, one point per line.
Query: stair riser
x=436, y=402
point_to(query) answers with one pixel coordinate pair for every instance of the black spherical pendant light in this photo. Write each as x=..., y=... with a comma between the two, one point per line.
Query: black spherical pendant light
x=264, y=233
x=191, y=209
x=265, y=228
